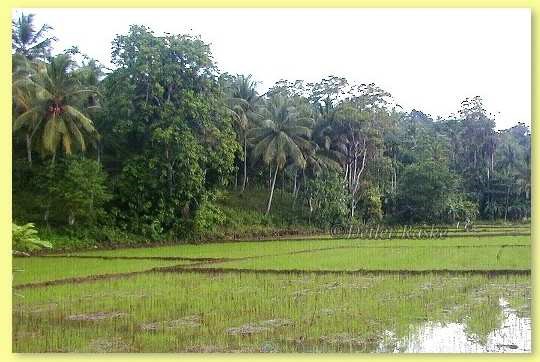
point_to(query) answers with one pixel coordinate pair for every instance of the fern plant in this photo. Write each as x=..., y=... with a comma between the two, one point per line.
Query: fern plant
x=25, y=239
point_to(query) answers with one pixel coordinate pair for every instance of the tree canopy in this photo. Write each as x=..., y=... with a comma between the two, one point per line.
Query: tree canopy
x=148, y=145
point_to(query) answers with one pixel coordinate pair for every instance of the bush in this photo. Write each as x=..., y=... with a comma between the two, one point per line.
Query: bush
x=458, y=208
x=81, y=191
x=71, y=191
x=327, y=199
x=207, y=218
x=423, y=192
x=369, y=207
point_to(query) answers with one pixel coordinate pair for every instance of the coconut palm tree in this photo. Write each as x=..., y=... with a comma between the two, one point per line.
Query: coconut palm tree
x=23, y=93
x=53, y=113
x=280, y=138
x=29, y=42
x=243, y=104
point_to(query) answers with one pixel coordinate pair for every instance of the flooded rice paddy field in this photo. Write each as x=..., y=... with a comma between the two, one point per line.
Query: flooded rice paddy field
x=301, y=300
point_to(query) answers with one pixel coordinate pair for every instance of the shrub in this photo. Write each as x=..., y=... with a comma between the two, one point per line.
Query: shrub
x=327, y=199
x=207, y=218
x=82, y=191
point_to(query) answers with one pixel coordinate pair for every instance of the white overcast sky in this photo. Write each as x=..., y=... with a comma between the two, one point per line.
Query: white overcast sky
x=428, y=59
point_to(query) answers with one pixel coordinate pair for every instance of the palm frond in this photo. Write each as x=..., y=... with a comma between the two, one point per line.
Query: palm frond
x=50, y=136
x=26, y=120
x=84, y=121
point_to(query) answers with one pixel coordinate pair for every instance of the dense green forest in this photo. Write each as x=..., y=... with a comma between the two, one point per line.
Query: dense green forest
x=165, y=146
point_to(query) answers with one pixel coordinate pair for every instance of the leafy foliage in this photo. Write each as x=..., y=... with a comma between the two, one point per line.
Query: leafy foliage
x=423, y=191
x=29, y=42
x=25, y=238
x=149, y=145
x=82, y=190
x=327, y=199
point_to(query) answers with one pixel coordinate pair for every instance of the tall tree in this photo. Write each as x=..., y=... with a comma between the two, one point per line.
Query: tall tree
x=244, y=103
x=280, y=138
x=27, y=41
x=173, y=138
x=23, y=95
x=54, y=114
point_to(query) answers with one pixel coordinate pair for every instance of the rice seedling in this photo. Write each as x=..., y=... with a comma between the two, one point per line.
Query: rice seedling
x=194, y=306
x=202, y=312
x=42, y=269
x=261, y=248
x=393, y=258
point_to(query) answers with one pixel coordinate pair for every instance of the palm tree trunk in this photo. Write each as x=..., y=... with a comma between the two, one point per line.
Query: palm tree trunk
x=245, y=164
x=170, y=171
x=71, y=218
x=46, y=214
x=506, y=207
x=272, y=191
x=29, y=148
x=294, y=187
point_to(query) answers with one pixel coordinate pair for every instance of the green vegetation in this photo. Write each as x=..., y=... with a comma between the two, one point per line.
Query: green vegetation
x=167, y=308
x=252, y=248
x=252, y=313
x=398, y=258
x=43, y=269
x=25, y=238
x=165, y=147
x=123, y=175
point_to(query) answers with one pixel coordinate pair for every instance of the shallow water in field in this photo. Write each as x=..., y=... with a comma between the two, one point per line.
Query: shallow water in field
x=514, y=335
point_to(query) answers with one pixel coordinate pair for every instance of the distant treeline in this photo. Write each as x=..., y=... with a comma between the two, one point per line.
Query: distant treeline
x=144, y=147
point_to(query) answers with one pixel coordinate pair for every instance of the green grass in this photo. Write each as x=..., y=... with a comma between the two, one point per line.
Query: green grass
x=327, y=313
x=419, y=258
x=260, y=248
x=41, y=269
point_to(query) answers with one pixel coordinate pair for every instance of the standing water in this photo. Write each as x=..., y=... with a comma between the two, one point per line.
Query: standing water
x=514, y=335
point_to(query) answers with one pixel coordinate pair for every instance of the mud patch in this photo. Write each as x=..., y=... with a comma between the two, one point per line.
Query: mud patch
x=37, y=308
x=218, y=349
x=99, y=316
x=41, y=308
x=205, y=349
x=25, y=334
x=330, y=286
x=246, y=330
x=346, y=339
x=268, y=347
x=190, y=321
x=108, y=345
x=276, y=323
x=263, y=326
x=370, y=272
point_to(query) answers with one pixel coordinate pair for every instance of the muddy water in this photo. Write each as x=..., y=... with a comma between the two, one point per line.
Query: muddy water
x=514, y=335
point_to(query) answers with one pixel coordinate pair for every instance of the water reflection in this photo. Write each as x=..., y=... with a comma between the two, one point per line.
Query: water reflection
x=514, y=335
